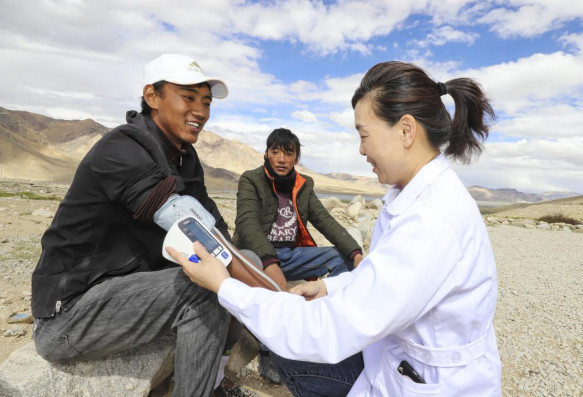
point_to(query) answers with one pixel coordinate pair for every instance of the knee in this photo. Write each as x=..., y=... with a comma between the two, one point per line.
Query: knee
x=55, y=351
x=253, y=257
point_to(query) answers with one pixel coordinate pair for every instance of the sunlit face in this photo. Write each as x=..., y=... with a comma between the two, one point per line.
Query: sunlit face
x=182, y=111
x=381, y=143
x=282, y=160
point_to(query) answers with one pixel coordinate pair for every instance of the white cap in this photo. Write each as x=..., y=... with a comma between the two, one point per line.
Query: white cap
x=181, y=70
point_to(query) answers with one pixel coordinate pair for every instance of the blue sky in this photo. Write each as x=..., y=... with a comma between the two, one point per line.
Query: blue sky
x=297, y=63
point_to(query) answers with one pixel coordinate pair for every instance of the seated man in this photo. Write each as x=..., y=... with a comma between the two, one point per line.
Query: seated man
x=101, y=285
x=274, y=205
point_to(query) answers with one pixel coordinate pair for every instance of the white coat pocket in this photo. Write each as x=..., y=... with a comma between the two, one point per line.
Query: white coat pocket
x=390, y=382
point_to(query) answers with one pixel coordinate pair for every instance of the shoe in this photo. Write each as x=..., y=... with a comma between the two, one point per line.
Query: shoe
x=267, y=369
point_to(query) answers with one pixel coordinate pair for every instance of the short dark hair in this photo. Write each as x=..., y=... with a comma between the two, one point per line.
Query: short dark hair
x=283, y=138
x=146, y=109
x=397, y=88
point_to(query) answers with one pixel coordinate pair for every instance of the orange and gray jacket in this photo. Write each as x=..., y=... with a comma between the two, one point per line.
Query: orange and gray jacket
x=257, y=210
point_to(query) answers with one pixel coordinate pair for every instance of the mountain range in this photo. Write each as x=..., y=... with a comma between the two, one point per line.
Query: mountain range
x=39, y=148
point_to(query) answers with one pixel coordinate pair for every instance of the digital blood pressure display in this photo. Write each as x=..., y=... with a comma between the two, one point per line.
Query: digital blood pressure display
x=185, y=232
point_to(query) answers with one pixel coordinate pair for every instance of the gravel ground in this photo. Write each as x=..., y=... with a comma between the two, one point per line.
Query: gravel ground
x=538, y=320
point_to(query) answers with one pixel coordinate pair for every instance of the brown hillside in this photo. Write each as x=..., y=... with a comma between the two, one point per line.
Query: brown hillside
x=39, y=148
x=571, y=207
x=36, y=147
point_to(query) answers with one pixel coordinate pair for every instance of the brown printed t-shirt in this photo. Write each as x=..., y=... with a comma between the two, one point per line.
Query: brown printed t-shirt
x=285, y=228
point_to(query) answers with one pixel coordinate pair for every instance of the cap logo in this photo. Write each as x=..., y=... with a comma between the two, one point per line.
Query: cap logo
x=194, y=67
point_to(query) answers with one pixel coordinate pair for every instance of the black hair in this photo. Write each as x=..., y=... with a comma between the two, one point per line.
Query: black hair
x=398, y=88
x=283, y=138
x=146, y=109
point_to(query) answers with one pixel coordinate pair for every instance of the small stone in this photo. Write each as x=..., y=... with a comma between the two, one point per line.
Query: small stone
x=19, y=331
x=25, y=318
x=43, y=213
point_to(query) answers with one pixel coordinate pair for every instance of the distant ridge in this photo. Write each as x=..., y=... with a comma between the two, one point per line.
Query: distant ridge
x=39, y=148
x=480, y=193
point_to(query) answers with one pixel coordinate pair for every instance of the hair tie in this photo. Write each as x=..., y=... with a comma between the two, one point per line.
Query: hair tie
x=442, y=89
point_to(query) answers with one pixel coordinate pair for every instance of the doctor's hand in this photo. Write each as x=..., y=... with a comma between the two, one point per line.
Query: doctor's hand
x=310, y=290
x=209, y=272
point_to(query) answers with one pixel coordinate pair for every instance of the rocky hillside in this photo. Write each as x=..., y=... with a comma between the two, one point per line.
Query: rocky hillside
x=38, y=148
x=35, y=147
x=480, y=193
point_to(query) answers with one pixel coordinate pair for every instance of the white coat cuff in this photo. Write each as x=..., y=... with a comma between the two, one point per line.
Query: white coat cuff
x=230, y=292
x=333, y=284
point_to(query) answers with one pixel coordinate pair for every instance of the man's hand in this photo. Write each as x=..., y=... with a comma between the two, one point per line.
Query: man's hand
x=356, y=260
x=274, y=272
x=209, y=272
x=311, y=290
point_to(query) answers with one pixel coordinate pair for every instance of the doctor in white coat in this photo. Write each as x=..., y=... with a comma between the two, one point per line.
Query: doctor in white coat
x=415, y=317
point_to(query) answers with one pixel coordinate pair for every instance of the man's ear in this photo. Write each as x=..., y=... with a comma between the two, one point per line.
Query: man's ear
x=151, y=97
x=409, y=128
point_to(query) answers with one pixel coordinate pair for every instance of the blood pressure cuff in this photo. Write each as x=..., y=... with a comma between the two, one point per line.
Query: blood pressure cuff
x=177, y=207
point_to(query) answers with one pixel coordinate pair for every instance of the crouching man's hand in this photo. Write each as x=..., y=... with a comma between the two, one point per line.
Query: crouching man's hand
x=311, y=290
x=209, y=272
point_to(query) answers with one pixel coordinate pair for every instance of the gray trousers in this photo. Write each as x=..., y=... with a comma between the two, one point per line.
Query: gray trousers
x=124, y=312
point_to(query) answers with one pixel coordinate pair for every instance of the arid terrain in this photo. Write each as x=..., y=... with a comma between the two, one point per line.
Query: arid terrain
x=538, y=320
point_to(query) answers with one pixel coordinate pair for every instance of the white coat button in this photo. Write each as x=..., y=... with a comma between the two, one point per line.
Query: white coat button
x=427, y=357
x=456, y=357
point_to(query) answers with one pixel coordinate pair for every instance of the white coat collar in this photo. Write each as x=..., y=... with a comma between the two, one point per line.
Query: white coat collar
x=398, y=200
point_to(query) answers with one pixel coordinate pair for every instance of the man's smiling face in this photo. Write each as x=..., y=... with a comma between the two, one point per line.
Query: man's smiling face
x=181, y=111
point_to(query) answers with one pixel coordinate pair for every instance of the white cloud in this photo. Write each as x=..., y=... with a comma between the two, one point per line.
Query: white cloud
x=535, y=81
x=447, y=34
x=305, y=115
x=549, y=122
x=529, y=166
x=339, y=91
x=68, y=113
x=344, y=118
x=575, y=40
x=302, y=87
x=529, y=18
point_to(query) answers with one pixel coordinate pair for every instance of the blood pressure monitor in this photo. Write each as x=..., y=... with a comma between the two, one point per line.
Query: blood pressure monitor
x=185, y=232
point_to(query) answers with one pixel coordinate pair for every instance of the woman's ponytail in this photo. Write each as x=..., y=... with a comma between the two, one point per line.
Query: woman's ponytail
x=473, y=114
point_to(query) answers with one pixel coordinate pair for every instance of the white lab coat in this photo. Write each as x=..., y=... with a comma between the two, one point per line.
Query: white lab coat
x=426, y=293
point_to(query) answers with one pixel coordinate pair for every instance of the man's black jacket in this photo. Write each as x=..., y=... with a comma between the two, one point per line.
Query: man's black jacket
x=93, y=235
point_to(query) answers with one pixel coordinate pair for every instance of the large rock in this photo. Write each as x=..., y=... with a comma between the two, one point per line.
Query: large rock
x=332, y=202
x=353, y=210
x=134, y=373
x=358, y=199
x=375, y=204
